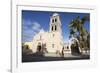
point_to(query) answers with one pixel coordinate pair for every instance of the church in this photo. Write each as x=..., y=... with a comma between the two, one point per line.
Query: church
x=51, y=41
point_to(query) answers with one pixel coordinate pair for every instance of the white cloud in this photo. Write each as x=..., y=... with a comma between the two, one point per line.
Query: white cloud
x=36, y=26
x=30, y=28
x=27, y=22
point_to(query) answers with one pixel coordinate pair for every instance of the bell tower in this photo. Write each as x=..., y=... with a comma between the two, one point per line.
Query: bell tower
x=55, y=31
x=55, y=23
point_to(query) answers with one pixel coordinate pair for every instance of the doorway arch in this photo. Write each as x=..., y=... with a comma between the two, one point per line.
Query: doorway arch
x=75, y=49
x=39, y=47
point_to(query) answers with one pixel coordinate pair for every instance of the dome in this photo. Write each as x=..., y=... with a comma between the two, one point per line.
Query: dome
x=55, y=14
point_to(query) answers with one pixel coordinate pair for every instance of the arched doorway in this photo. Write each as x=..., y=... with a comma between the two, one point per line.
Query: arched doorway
x=75, y=50
x=39, y=47
x=42, y=48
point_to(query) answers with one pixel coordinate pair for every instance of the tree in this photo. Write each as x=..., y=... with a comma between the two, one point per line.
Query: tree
x=77, y=26
x=26, y=50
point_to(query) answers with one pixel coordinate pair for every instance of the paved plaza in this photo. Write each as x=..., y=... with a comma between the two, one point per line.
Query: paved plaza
x=52, y=57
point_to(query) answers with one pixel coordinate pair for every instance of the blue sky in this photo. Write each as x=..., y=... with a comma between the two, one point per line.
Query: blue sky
x=34, y=21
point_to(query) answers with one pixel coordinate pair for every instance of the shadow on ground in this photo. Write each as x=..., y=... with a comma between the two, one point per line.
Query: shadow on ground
x=39, y=57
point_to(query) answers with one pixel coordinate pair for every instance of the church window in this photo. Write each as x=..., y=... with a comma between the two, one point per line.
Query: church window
x=52, y=45
x=52, y=28
x=55, y=27
x=53, y=35
x=55, y=20
x=67, y=47
x=52, y=20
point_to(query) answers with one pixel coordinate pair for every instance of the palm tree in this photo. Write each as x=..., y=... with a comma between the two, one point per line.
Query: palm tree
x=72, y=33
x=77, y=26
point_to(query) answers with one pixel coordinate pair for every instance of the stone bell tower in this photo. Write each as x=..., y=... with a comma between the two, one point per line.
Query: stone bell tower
x=55, y=31
x=55, y=23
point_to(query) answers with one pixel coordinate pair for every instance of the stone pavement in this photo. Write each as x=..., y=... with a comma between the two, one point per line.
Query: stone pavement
x=57, y=55
x=52, y=57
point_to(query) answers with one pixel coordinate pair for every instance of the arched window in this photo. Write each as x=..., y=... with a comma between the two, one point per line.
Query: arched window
x=55, y=20
x=67, y=47
x=52, y=45
x=52, y=20
x=53, y=35
x=55, y=27
x=52, y=28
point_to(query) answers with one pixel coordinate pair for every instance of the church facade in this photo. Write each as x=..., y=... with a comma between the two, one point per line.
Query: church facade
x=51, y=41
